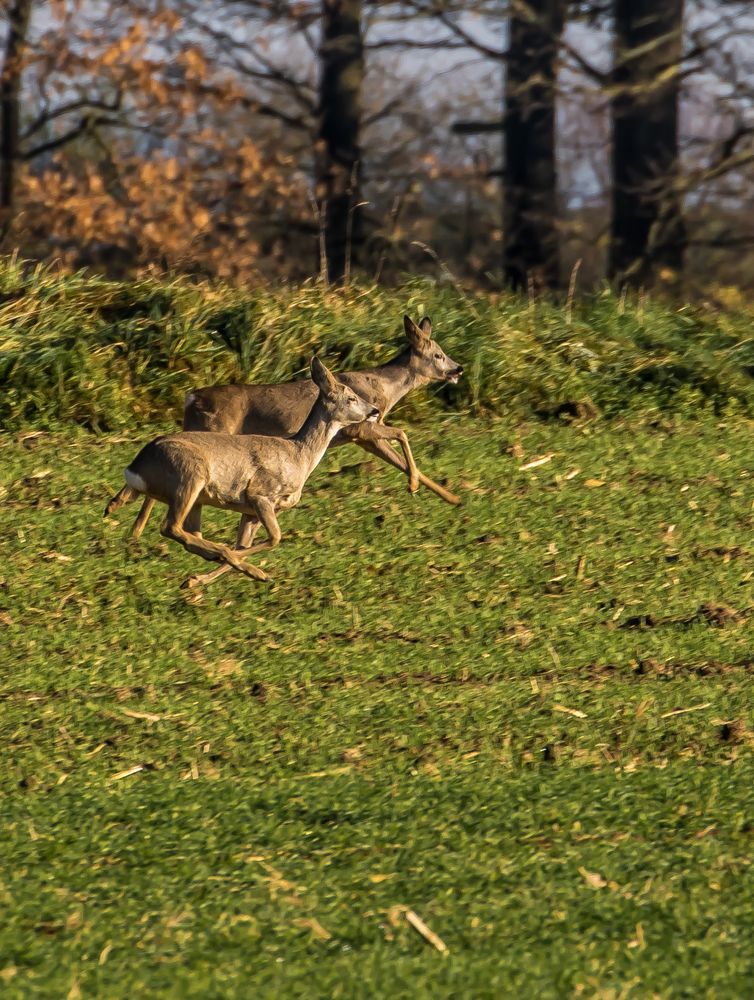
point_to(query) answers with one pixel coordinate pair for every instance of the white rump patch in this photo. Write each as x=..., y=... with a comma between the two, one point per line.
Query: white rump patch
x=135, y=481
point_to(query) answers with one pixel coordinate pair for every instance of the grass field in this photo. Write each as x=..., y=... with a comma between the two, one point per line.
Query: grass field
x=527, y=719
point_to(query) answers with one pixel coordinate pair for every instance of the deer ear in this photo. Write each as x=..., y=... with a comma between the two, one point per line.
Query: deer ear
x=414, y=335
x=426, y=327
x=323, y=378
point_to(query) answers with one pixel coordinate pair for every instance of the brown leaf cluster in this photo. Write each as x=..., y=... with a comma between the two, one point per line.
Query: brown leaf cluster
x=164, y=165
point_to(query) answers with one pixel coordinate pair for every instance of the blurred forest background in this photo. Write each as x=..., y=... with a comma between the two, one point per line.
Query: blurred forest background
x=530, y=142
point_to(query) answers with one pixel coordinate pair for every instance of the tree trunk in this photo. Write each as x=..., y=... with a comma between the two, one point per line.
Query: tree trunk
x=530, y=209
x=338, y=151
x=647, y=229
x=10, y=89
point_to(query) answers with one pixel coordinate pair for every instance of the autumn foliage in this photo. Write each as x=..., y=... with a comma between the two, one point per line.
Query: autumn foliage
x=178, y=216
x=206, y=198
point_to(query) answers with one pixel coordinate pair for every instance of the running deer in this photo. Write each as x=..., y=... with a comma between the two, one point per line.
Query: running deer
x=281, y=409
x=254, y=474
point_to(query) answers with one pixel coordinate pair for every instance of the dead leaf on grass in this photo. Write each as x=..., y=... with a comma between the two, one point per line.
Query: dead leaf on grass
x=147, y=716
x=312, y=924
x=328, y=773
x=593, y=879
x=53, y=556
x=638, y=941
x=29, y=437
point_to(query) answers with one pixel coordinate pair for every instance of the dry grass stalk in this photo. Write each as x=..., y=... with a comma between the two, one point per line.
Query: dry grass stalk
x=128, y=772
x=429, y=935
x=683, y=711
x=575, y=712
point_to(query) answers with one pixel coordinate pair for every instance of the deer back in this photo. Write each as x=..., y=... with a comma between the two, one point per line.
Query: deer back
x=270, y=410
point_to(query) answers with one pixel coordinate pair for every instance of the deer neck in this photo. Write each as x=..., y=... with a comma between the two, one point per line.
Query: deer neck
x=314, y=437
x=397, y=379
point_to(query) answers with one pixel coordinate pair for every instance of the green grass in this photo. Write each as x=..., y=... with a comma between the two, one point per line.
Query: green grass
x=528, y=719
x=468, y=712
x=104, y=354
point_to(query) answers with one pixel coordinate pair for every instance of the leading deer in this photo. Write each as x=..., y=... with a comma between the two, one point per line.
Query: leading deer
x=281, y=409
x=253, y=474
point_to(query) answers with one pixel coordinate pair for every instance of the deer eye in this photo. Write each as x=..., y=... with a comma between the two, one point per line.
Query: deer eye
x=438, y=356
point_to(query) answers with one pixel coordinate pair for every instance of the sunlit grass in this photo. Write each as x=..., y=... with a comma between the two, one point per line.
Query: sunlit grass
x=105, y=354
x=528, y=719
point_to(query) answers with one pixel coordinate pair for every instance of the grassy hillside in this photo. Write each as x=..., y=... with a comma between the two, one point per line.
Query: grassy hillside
x=527, y=719
x=106, y=355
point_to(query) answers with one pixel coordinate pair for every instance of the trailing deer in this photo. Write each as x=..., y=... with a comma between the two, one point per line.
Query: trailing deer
x=256, y=475
x=281, y=409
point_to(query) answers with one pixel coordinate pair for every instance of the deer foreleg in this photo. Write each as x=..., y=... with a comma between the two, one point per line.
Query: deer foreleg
x=174, y=527
x=247, y=529
x=379, y=433
x=383, y=451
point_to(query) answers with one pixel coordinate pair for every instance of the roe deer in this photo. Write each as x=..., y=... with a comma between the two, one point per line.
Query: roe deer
x=253, y=474
x=281, y=409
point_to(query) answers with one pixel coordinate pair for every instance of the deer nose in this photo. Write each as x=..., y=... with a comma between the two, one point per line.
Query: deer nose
x=459, y=371
x=375, y=412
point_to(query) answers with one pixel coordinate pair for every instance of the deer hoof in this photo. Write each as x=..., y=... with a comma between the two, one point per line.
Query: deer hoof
x=255, y=573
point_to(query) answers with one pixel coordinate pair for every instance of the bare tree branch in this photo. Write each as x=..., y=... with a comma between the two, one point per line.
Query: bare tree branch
x=78, y=105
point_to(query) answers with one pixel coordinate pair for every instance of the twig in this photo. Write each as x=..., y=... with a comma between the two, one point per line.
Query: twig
x=319, y=215
x=447, y=273
x=575, y=712
x=571, y=291
x=429, y=935
x=128, y=772
x=349, y=222
x=682, y=711
x=536, y=462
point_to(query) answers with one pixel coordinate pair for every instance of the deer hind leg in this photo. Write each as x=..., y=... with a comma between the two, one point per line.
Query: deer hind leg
x=174, y=527
x=142, y=517
x=382, y=450
x=248, y=526
x=124, y=495
x=193, y=522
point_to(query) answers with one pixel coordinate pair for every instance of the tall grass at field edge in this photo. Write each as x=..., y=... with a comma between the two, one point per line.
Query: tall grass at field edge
x=107, y=355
